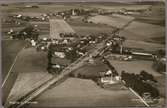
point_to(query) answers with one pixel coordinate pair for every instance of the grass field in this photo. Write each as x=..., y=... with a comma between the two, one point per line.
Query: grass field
x=91, y=70
x=160, y=40
x=142, y=31
x=136, y=67
x=12, y=8
x=31, y=60
x=147, y=46
x=32, y=67
x=120, y=7
x=155, y=16
x=58, y=26
x=10, y=49
x=76, y=92
x=114, y=20
x=144, y=35
x=151, y=20
x=25, y=82
x=146, y=32
x=82, y=28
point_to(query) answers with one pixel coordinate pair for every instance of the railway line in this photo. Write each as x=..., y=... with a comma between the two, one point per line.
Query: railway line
x=98, y=50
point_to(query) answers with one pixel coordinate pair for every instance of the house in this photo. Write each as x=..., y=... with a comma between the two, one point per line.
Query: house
x=33, y=43
x=141, y=53
x=59, y=54
x=110, y=79
x=110, y=76
x=107, y=80
x=73, y=12
x=106, y=73
x=91, y=61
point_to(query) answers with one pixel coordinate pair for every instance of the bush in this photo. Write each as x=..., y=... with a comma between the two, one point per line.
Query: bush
x=159, y=66
x=135, y=81
x=146, y=76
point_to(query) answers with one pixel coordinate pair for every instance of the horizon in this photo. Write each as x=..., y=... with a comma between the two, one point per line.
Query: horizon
x=67, y=1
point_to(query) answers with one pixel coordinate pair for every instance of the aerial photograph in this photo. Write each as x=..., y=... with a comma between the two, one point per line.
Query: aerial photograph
x=83, y=54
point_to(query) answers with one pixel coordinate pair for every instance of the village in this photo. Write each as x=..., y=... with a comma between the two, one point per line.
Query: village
x=83, y=55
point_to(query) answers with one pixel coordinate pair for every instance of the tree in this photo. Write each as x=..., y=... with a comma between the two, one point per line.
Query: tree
x=146, y=76
x=159, y=66
x=122, y=40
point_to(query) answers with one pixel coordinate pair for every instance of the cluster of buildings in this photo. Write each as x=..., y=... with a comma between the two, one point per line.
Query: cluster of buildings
x=29, y=18
x=29, y=32
x=68, y=13
x=70, y=50
x=111, y=76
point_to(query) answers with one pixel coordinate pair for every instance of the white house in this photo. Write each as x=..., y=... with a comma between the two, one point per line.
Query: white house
x=108, y=79
x=59, y=54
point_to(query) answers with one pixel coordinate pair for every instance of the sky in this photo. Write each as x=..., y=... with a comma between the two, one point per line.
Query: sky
x=74, y=0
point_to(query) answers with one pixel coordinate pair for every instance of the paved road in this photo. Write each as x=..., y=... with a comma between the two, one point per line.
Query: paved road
x=98, y=49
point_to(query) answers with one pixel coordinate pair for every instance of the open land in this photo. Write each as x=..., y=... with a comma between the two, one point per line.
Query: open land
x=144, y=32
x=59, y=26
x=78, y=92
x=115, y=20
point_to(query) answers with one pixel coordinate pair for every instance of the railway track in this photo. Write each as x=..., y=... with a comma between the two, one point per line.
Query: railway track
x=78, y=63
x=98, y=50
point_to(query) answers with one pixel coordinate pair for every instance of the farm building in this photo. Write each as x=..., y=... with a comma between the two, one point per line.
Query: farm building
x=59, y=54
x=110, y=80
x=107, y=78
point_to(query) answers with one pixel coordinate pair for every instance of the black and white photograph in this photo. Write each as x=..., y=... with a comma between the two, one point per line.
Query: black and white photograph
x=83, y=53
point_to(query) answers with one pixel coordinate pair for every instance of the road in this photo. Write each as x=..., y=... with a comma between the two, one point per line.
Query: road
x=139, y=97
x=78, y=63
x=98, y=48
x=135, y=93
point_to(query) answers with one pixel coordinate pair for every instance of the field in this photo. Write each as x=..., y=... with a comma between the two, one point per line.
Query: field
x=84, y=93
x=153, y=20
x=114, y=20
x=156, y=16
x=136, y=67
x=82, y=28
x=144, y=36
x=31, y=60
x=142, y=31
x=114, y=8
x=25, y=82
x=13, y=8
x=91, y=70
x=10, y=49
x=145, y=31
x=31, y=70
x=146, y=46
x=58, y=26
x=87, y=29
